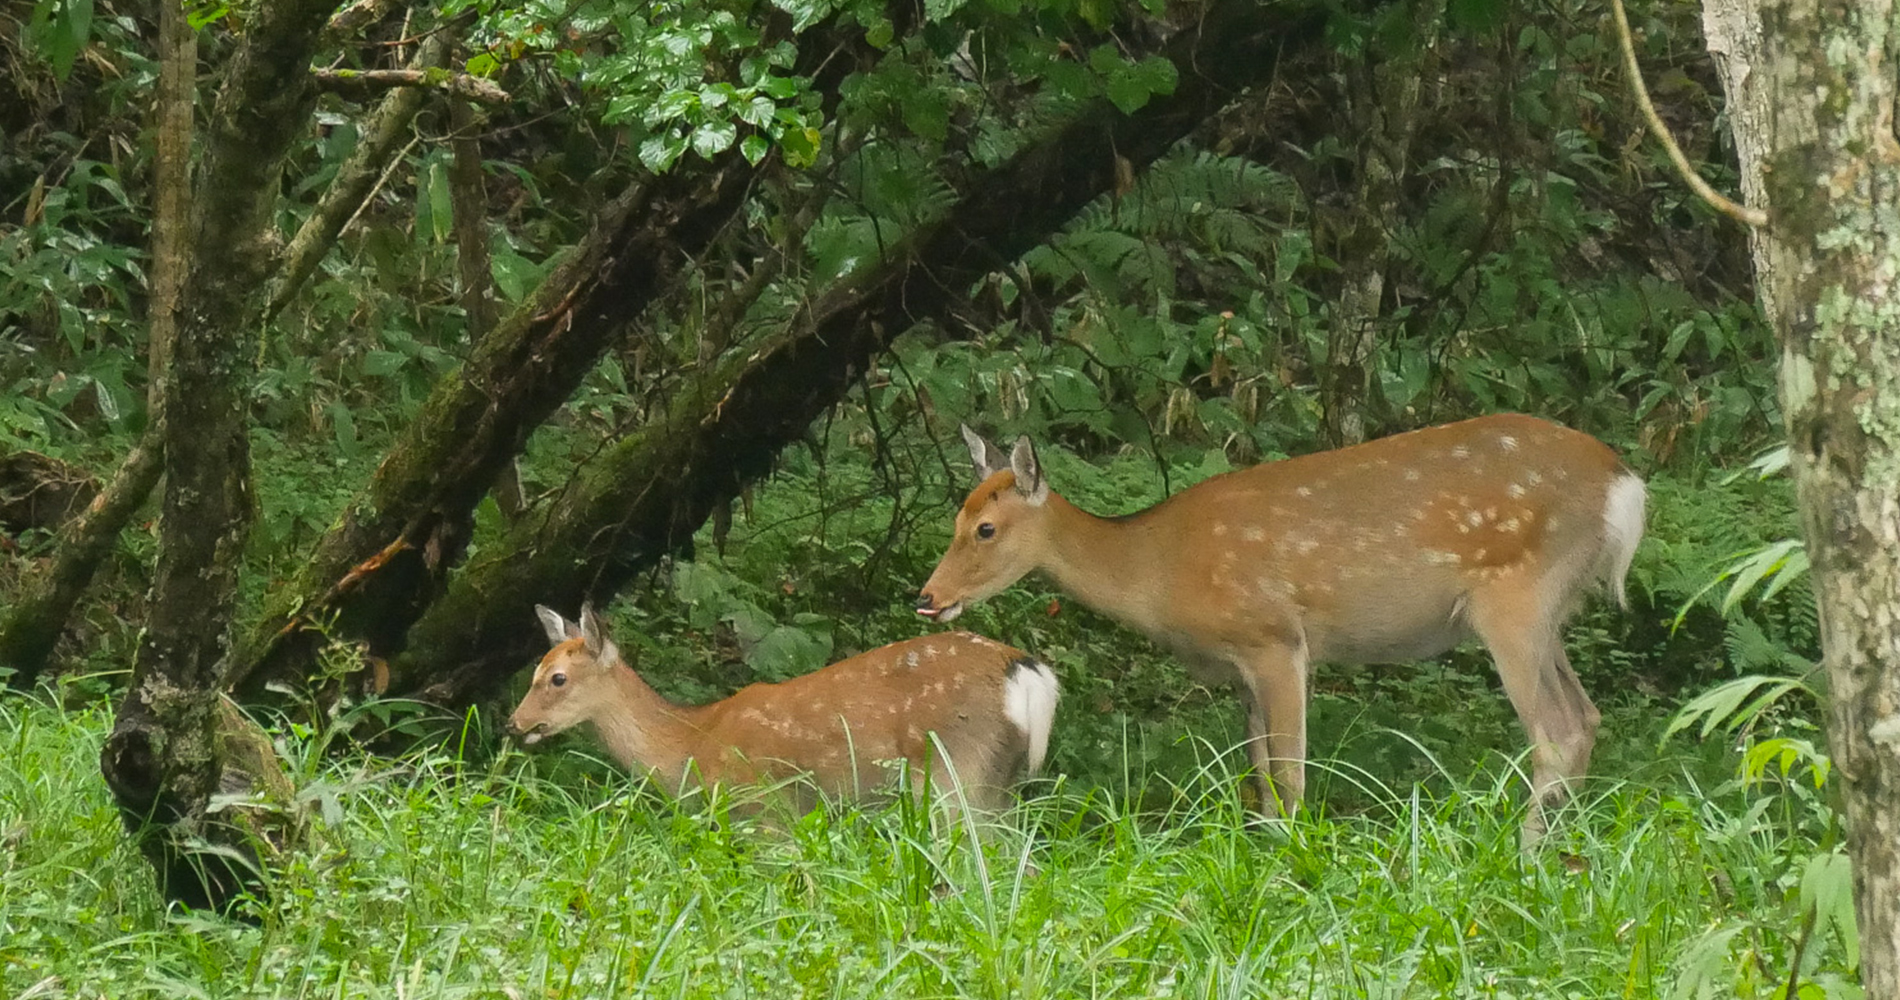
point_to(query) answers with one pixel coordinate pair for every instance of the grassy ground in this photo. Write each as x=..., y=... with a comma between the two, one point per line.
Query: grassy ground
x=1132, y=873
x=524, y=877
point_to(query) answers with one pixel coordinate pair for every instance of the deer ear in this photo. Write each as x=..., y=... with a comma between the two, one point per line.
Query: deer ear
x=559, y=629
x=987, y=457
x=1029, y=481
x=594, y=638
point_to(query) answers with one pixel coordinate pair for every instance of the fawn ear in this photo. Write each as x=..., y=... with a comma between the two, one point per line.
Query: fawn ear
x=594, y=638
x=987, y=457
x=1029, y=481
x=559, y=629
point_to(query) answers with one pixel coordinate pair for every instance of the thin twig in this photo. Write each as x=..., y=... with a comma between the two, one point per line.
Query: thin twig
x=1740, y=213
x=1800, y=949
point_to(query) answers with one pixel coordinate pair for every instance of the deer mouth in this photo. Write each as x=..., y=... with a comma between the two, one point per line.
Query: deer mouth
x=529, y=737
x=944, y=615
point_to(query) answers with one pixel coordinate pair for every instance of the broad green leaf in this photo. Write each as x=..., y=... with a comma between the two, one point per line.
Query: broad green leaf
x=800, y=146
x=1828, y=887
x=714, y=138
x=754, y=148
x=661, y=150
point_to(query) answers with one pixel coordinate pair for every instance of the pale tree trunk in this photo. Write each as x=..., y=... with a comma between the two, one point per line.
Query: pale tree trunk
x=1811, y=98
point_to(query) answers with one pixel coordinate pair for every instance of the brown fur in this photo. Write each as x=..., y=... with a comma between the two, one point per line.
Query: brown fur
x=989, y=490
x=841, y=731
x=1391, y=550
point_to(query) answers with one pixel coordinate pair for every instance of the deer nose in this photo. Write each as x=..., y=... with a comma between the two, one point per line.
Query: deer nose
x=925, y=602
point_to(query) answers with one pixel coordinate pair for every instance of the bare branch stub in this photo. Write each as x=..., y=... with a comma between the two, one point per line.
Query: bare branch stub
x=354, y=83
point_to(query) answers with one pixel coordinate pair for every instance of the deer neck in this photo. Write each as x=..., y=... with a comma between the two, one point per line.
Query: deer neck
x=646, y=733
x=1109, y=564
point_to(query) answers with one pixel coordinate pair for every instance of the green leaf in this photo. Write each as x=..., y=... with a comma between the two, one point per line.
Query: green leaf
x=1723, y=703
x=757, y=112
x=754, y=148
x=1765, y=562
x=800, y=146
x=71, y=30
x=514, y=274
x=780, y=88
x=661, y=150
x=382, y=363
x=482, y=64
x=927, y=113
x=1476, y=16
x=713, y=138
x=344, y=424
x=788, y=651
x=1828, y=887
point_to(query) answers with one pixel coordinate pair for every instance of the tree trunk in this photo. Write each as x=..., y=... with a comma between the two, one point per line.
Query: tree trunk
x=375, y=573
x=163, y=760
x=1811, y=98
x=646, y=496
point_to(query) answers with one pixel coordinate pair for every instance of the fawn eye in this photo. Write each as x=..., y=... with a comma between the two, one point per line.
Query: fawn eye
x=986, y=530
x=556, y=680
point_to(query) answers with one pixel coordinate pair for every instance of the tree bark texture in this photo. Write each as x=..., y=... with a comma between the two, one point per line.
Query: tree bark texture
x=162, y=760
x=647, y=495
x=1811, y=95
x=374, y=575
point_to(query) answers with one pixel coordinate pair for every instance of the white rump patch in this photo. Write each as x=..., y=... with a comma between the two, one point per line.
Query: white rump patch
x=1622, y=532
x=1029, y=699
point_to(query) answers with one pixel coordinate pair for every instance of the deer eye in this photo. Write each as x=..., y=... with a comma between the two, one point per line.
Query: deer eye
x=556, y=680
x=986, y=530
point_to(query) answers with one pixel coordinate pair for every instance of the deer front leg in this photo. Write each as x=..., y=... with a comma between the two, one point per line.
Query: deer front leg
x=1274, y=678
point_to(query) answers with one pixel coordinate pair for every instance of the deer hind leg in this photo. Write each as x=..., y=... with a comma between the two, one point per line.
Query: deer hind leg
x=1526, y=641
x=1275, y=681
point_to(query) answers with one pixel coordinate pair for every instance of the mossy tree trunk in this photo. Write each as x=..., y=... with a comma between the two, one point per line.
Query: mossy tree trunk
x=162, y=760
x=647, y=495
x=1811, y=97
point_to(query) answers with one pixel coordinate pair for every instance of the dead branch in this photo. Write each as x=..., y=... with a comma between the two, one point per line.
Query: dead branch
x=362, y=84
x=1740, y=213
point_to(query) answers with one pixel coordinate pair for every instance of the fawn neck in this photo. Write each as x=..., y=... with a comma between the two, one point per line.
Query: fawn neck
x=644, y=731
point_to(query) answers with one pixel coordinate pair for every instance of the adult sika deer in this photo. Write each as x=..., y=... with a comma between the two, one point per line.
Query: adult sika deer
x=988, y=707
x=1392, y=550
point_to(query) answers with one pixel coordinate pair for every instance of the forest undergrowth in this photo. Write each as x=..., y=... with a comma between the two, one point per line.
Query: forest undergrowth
x=467, y=868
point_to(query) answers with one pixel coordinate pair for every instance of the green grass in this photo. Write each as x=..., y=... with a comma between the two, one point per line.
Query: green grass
x=525, y=877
